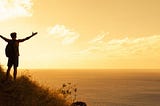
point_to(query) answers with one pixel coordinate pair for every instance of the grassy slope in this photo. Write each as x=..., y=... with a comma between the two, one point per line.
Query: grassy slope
x=25, y=92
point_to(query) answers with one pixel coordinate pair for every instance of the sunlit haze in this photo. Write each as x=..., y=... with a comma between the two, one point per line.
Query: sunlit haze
x=96, y=34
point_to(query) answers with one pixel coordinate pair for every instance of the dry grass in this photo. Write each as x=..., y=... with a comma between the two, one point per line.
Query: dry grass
x=25, y=92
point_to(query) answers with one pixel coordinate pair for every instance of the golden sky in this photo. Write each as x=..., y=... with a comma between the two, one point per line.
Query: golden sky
x=84, y=33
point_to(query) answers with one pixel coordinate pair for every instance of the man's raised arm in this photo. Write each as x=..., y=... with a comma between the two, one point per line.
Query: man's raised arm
x=21, y=40
x=7, y=40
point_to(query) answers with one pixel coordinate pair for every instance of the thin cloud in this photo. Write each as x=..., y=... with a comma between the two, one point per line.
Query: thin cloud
x=99, y=38
x=15, y=8
x=141, y=45
x=127, y=46
x=64, y=34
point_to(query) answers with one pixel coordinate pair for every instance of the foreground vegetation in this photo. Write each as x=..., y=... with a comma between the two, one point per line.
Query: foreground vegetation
x=25, y=92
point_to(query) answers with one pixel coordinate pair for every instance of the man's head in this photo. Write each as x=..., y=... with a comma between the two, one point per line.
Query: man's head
x=13, y=35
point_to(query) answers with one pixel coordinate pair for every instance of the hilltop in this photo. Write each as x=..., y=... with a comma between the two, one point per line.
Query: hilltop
x=25, y=92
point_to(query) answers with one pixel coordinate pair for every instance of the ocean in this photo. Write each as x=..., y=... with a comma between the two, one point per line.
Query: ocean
x=110, y=87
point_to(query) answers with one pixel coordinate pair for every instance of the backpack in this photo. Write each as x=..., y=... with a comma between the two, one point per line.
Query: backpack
x=9, y=49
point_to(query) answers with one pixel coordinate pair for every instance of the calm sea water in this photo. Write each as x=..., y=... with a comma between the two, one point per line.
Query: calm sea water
x=107, y=87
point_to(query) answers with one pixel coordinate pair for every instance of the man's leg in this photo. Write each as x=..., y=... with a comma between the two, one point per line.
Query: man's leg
x=9, y=67
x=8, y=72
x=15, y=67
x=15, y=72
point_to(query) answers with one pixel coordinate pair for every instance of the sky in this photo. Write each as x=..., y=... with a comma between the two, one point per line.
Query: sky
x=92, y=34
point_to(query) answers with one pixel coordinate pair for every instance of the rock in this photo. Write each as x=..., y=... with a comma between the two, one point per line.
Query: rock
x=79, y=103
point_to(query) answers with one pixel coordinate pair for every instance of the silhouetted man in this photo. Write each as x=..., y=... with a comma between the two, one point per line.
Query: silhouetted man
x=12, y=52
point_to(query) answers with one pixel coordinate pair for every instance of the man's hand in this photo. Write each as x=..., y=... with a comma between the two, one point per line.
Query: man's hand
x=7, y=40
x=34, y=33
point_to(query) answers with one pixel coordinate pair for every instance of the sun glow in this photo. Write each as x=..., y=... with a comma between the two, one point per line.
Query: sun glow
x=15, y=8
